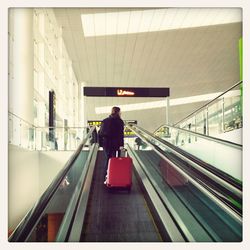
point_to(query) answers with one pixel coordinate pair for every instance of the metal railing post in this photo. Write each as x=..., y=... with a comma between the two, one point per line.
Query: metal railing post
x=223, y=114
x=207, y=123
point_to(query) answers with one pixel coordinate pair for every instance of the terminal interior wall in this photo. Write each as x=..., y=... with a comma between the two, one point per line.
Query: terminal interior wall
x=29, y=174
x=23, y=183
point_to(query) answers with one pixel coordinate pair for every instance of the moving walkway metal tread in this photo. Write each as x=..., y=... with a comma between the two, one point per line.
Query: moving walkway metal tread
x=117, y=216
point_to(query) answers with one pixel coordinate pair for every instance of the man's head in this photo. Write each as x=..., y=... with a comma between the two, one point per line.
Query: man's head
x=116, y=111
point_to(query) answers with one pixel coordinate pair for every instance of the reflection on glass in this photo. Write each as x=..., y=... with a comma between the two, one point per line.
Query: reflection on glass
x=221, y=115
x=221, y=156
x=170, y=175
x=48, y=226
x=201, y=122
x=25, y=135
x=232, y=113
x=196, y=213
x=190, y=124
x=59, y=138
x=215, y=118
x=20, y=132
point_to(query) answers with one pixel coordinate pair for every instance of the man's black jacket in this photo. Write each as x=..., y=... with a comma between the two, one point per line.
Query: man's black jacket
x=111, y=133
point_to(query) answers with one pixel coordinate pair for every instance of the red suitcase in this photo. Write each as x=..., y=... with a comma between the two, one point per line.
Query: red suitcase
x=119, y=173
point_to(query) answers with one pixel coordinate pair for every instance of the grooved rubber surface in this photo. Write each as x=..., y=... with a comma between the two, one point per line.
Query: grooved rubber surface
x=117, y=216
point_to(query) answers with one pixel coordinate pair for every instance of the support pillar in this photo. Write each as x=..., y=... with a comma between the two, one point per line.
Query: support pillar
x=21, y=88
x=83, y=105
x=167, y=111
x=84, y=111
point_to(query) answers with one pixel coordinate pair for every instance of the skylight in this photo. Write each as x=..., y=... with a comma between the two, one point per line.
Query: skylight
x=162, y=103
x=150, y=20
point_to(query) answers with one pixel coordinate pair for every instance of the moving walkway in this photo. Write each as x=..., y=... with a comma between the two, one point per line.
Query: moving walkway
x=195, y=178
x=175, y=197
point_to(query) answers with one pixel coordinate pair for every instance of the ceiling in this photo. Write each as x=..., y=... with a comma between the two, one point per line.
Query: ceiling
x=189, y=59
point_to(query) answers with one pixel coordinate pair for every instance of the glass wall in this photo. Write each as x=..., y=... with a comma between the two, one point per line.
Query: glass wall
x=53, y=71
x=26, y=135
x=219, y=116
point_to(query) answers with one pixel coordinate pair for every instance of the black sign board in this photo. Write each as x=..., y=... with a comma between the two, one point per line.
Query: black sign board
x=52, y=114
x=52, y=108
x=125, y=92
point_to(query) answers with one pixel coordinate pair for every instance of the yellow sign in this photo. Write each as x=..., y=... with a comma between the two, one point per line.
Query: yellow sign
x=129, y=134
x=94, y=123
x=127, y=131
x=121, y=92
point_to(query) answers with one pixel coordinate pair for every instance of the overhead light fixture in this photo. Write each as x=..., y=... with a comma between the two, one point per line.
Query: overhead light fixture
x=150, y=20
x=162, y=103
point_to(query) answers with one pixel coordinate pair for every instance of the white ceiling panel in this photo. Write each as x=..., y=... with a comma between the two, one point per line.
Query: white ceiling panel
x=191, y=51
x=150, y=20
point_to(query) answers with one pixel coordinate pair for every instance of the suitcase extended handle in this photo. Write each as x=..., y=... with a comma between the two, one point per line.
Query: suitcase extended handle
x=124, y=150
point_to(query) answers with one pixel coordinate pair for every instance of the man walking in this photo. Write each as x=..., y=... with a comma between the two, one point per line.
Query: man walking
x=111, y=134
